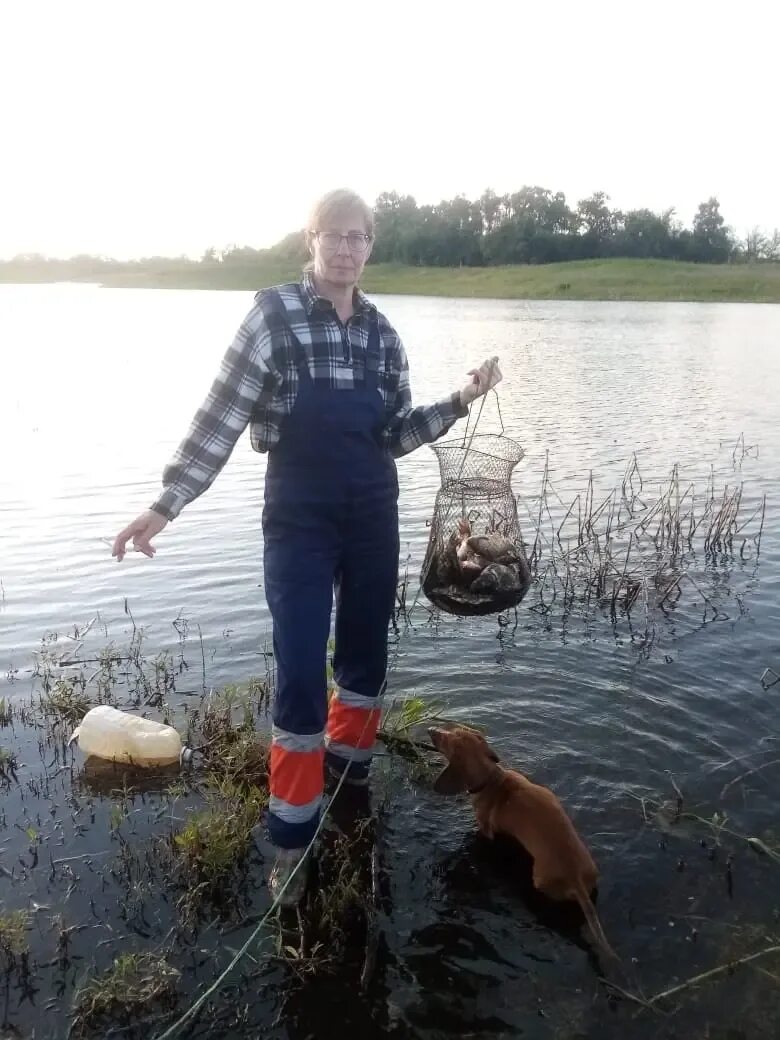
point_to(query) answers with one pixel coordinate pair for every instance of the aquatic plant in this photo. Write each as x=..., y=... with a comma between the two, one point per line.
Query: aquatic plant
x=214, y=842
x=401, y=718
x=223, y=731
x=635, y=557
x=7, y=766
x=13, y=936
x=134, y=981
x=66, y=702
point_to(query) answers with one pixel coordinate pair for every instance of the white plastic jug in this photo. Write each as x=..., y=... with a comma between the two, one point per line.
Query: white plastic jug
x=118, y=736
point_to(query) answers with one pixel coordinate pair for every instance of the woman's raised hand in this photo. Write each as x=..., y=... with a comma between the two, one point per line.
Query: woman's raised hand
x=482, y=379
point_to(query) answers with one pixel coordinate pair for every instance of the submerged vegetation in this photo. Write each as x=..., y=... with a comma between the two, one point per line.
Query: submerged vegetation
x=66, y=703
x=128, y=892
x=645, y=557
x=190, y=866
x=216, y=840
x=131, y=987
x=13, y=936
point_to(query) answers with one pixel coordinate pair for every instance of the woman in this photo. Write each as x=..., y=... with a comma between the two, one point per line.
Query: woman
x=322, y=379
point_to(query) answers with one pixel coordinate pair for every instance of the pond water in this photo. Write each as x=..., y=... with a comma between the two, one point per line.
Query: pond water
x=607, y=707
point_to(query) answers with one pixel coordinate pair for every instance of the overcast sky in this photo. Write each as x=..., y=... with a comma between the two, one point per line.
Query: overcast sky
x=134, y=128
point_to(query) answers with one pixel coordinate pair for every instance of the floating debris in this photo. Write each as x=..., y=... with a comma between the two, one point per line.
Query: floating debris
x=769, y=678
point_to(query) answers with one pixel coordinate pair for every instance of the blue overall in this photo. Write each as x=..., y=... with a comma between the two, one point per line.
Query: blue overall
x=330, y=521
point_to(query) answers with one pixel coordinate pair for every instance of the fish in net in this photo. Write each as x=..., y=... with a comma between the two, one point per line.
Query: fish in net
x=475, y=562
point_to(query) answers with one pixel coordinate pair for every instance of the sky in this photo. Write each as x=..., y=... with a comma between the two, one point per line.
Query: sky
x=139, y=128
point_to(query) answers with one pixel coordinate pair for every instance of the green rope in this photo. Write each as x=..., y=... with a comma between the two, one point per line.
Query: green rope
x=195, y=1008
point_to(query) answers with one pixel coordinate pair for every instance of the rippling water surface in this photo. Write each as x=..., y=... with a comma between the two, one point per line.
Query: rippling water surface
x=98, y=388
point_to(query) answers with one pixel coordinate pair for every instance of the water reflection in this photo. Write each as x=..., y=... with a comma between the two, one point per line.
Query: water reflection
x=108, y=779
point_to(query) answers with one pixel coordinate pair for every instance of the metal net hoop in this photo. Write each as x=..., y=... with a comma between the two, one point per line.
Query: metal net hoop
x=486, y=461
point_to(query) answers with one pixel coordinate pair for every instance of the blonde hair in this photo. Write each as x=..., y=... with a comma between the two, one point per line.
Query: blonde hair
x=338, y=203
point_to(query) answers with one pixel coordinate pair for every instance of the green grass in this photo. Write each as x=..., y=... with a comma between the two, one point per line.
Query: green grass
x=619, y=279
x=217, y=839
x=587, y=280
x=576, y=280
x=127, y=988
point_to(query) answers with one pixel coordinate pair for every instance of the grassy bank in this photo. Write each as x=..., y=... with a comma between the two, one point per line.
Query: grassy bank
x=619, y=279
x=588, y=280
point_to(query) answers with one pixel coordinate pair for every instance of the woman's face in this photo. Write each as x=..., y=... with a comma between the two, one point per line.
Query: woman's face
x=340, y=249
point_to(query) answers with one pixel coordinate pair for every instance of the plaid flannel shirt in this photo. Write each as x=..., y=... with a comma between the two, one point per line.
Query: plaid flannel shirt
x=258, y=381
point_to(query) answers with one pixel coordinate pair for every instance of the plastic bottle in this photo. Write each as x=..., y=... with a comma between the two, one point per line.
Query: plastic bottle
x=118, y=736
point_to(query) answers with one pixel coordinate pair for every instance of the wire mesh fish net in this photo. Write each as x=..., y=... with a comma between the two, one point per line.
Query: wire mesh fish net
x=487, y=461
x=475, y=561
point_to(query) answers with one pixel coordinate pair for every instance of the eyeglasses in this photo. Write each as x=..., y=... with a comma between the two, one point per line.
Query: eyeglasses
x=331, y=240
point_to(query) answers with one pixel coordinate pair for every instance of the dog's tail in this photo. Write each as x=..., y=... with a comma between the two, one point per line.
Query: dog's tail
x=582, y=896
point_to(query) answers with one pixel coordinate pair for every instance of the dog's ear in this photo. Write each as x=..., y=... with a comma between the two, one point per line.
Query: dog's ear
x=489, y=752
x=449, y=781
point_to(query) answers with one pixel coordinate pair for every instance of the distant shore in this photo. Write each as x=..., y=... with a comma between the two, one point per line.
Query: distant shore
x=619, y=279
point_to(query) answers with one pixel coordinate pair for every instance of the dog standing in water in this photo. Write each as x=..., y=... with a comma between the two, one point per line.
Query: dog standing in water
x=506, y=802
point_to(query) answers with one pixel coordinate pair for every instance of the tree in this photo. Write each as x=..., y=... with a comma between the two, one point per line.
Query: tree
x=292, y=247
x=531, y=204
x=645, y=234
x=772, y=249
x=490, y=206
x=560, y=218
x=597, y=223
x=395, y=217
x=711, y=239
x=462, y=231
x=508, y=244
x=755, y=245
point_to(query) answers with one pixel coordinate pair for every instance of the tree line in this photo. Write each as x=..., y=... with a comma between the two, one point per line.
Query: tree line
x=538, y=226
x=530, y=226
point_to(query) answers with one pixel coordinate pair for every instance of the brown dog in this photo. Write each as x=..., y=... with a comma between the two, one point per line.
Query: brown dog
x=508, y=803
